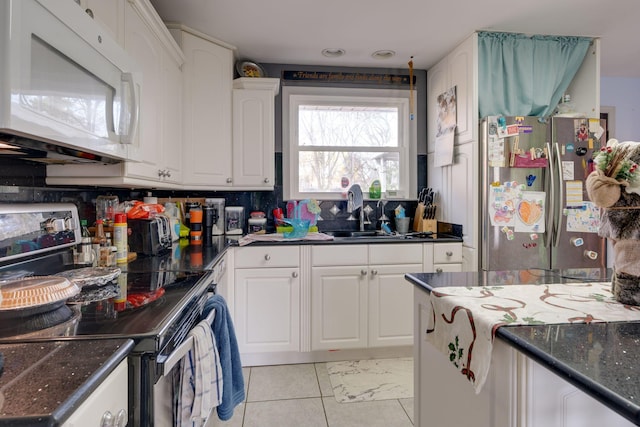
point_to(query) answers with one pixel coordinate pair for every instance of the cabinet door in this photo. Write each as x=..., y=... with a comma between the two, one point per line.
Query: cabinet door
x=171, y=156
x=109, y=14
x=339, y=307
x=267, y=309
x=146, y=50
x=437, y=83
x=552, y=401
x=208, y=75
x=463, y=76
x=253, y=139
x=391, y=305
x=457, y=185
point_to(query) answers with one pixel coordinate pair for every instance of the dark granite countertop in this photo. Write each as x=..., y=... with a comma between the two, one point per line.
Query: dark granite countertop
x=42, y=384
x=598, y=358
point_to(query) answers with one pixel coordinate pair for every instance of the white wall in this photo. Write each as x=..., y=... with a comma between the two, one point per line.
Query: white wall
x=624, y=95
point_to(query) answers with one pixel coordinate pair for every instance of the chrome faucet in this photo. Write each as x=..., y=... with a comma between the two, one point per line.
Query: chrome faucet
x=355, y=200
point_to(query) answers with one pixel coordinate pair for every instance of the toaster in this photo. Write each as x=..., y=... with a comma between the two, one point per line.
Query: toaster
x=150, y=236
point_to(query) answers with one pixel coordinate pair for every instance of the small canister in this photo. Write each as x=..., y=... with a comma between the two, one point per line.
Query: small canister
x=234, y=217
x=257, y=223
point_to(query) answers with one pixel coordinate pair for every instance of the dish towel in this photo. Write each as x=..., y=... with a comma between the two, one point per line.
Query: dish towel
x=462, y=321
x=227, y=344
x=201, y=383
x=279, y=237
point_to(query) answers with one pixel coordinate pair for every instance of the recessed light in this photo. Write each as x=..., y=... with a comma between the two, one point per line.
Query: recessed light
x=333, y=53
x=383, y=54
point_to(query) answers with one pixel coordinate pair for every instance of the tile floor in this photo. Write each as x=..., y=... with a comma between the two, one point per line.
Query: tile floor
x=301, y=396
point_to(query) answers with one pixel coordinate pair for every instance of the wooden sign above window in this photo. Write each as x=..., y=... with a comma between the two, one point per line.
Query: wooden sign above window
x=342, y=77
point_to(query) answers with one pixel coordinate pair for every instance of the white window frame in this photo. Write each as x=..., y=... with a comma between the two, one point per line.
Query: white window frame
x=292, y=96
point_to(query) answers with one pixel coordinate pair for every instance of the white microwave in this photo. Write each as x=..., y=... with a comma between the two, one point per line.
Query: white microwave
x=66, y=85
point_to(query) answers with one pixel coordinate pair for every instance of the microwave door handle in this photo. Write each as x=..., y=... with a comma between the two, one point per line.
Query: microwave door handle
x=560, y=199
x=133, y=117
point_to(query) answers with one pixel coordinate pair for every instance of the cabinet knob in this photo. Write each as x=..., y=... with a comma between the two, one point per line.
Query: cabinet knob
x=89, y=12
x=229, y=180
x=107, y=419
x=374, y=272
x=267, y=257
x=294, y=274
x=438, y=270
x=266, y=180
x=449, y=253
x=121, y=418
x=363, y=272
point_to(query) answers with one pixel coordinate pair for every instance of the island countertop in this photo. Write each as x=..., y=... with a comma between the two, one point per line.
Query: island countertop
x=598, y=358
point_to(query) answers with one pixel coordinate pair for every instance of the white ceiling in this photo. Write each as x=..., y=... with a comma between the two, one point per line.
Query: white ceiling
x=295, y=31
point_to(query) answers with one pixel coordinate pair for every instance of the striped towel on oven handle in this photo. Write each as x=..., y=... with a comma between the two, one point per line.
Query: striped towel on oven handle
x=201, y=382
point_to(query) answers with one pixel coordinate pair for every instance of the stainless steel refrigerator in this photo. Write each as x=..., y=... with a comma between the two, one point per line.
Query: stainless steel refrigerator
x=535, y=212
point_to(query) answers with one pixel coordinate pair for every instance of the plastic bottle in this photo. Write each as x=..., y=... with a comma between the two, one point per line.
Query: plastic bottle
x=99, y=241
x=375, y=190
x=84, y=229
x=120, y=237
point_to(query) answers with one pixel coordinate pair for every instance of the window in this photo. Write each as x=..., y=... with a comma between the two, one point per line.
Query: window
x=334, y=138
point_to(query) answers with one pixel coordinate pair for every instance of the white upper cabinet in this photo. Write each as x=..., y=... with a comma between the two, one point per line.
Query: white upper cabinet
x=158, y=61
x=207, y=87
x=254, y=133
x=109, y=14
x=458, y=69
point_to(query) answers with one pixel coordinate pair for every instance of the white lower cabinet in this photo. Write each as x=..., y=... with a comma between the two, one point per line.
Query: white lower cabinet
x=359, y=297
x=443, y=257
x=267, y=299
x=517, y=391
x=110, y=397
x=339, y=299
x=295, y=303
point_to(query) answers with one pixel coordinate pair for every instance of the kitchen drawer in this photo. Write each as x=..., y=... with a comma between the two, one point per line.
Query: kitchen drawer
x=337, y=255
x=445, y=253
x=447, y=268
x=267, y=256
x=406, y=253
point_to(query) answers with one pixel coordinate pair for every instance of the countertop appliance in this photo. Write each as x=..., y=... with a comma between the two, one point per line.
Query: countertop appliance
x=69, y=92
x=535, y=212
x=150, y=236
x=159, y=301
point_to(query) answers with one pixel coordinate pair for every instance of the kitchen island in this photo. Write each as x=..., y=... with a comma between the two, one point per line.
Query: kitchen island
x=540, y=375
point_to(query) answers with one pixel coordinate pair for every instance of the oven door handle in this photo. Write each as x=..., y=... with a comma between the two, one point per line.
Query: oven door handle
x=166, y=363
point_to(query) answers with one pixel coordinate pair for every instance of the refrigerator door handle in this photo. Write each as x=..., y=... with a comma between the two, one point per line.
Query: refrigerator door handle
x=550, y=189
x=560, y=198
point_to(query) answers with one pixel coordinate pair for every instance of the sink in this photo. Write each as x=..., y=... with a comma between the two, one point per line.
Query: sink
x=353, y=233
x=372, y=234
x=349, y=235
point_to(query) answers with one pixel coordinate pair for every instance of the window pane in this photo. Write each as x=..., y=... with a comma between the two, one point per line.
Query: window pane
x=347, y=126
x=322, y=171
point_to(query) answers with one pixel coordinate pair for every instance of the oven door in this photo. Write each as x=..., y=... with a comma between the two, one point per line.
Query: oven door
x=67, y=82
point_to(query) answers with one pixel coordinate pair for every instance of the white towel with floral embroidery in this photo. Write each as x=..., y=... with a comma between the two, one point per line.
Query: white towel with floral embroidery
x=463, y=320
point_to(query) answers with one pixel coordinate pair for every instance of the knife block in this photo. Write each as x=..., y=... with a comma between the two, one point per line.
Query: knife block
x=422, y=225
x=428, y=225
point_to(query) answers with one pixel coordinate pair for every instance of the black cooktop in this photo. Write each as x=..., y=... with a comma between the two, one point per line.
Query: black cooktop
x=147, y=296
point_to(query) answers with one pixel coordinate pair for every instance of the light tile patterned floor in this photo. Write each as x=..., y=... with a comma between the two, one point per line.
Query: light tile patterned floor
x=301, y=396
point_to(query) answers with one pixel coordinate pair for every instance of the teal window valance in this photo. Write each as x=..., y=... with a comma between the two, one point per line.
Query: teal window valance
x=521, y=75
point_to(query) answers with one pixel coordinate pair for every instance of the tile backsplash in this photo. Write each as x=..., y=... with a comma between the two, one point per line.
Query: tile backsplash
x=24, y=182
